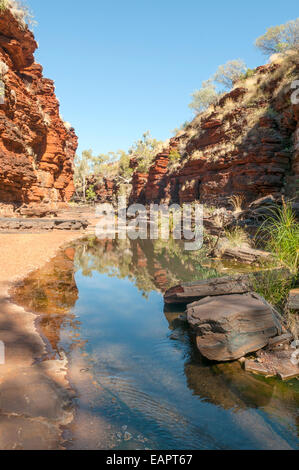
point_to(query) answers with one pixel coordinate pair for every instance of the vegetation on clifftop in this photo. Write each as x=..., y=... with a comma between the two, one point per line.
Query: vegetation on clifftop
x=19, y=10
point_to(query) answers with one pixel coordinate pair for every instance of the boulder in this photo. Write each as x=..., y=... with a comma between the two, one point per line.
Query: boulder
x=191, y=291
x=228, y=327
x=37, y=210
x=293, y=302
x=41, y=225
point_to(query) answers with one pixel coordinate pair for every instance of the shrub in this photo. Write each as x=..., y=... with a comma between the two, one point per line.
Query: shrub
x=273, y=284
x=67, y=125
x=237, y=202
x=249, y=73
x=204, y=97
x=90, y=193
x=279, y=38
x=230, y=72
x=19, y=10
x=174, y=156
x=237, y=237
x=281, y=234
x=145, y=150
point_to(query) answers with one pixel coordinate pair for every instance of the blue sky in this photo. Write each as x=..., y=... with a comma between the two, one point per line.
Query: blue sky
x=122, y=67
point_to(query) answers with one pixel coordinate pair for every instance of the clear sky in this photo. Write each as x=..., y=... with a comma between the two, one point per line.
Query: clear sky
x=122, y=67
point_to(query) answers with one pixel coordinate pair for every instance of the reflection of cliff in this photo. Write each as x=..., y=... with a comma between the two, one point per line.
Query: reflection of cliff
x=150, y=264
x=51, y=292
x=227, y=385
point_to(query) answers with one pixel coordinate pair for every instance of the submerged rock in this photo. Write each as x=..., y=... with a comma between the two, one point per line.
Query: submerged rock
x=230, y=326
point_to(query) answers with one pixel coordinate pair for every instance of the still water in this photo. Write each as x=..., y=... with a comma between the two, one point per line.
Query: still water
x=140, y=382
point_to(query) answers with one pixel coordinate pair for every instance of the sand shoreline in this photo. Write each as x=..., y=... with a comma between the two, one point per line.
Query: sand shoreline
x=36, y=397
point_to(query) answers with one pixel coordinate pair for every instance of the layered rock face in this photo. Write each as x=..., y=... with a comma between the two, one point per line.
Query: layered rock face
x=36, y=147
x=247, y=144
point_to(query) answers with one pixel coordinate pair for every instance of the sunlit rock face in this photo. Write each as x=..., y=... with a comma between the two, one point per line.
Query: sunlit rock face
x=36, y=147
x=246, y=145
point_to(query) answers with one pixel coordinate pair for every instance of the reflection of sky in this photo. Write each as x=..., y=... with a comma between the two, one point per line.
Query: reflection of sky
x=142, y=362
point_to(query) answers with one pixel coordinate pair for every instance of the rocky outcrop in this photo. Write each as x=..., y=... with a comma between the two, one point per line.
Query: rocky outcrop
x=229, y=327
x=36, y=147
x=192, y=291
x=247, y=145
x=105, y=189
x=39, y=225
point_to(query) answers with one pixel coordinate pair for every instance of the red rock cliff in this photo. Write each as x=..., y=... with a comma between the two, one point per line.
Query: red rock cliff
x=247, y=144
x=36, y=147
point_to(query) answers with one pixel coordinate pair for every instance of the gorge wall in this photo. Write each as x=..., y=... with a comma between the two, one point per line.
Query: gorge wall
x=247, y=144
x=36, y=147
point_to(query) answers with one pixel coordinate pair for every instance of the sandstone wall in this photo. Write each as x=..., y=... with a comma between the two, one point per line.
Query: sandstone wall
x=36, y=147
x=247, y=145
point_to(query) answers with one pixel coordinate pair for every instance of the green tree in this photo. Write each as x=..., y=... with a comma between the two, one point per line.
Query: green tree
x=279, y=38
x=230, y=72
x=83, y=168
x=144, y=150
x=204, y=97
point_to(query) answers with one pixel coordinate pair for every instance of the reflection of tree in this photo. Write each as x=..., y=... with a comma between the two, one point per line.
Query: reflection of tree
x=149, y=264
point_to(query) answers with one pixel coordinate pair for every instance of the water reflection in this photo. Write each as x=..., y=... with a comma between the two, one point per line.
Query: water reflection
x=136, y=371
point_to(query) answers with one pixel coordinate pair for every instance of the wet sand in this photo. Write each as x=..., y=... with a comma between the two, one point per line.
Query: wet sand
x=35, y=395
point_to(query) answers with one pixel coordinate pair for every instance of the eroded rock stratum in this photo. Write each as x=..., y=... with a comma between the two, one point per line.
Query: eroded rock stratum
x=247, y=145
x=36, y=147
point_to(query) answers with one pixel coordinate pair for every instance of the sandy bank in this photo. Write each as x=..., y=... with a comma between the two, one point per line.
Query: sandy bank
x=35, y=396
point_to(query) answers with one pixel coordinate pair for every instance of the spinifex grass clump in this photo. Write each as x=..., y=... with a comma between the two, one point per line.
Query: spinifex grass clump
x=280, y=232
x=274, y=285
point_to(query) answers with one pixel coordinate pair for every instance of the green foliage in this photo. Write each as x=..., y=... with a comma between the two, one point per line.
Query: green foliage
x=279, y=38
x=181, y=128
x=281, y=234
x=237, y=237
x=271, y=113
x=90, y=193
x=249, y=73
x=3, y=5
x=19, y=10
x=226, y=76
x=144, y=151
x=125, y=172
x=274, y=285
x=230, y=72
x=205, y=97
x=174, y=156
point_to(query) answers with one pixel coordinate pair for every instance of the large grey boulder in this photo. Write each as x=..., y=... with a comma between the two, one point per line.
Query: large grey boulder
x=228, y=327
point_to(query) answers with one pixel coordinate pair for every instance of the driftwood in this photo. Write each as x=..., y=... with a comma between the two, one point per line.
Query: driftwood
x=244, y=254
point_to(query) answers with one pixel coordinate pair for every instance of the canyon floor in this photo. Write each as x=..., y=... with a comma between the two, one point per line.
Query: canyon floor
x=35, y=393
